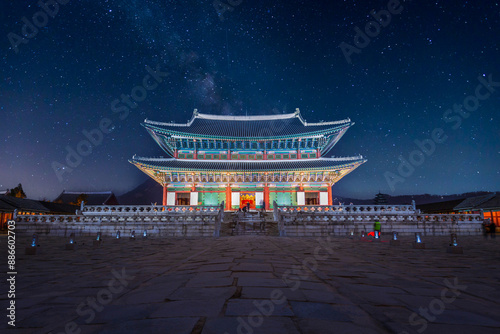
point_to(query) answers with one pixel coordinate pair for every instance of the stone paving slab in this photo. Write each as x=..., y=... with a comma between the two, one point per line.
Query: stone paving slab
x=237, y=325
x=245, y=307
x=257, y=284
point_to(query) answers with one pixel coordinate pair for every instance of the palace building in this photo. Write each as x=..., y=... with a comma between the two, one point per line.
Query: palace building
x=247, y=159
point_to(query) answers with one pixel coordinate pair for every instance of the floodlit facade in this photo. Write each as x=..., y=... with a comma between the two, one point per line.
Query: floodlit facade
x=247, y=159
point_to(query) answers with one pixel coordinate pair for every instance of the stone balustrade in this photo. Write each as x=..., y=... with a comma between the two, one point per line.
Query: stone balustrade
x=343, y=209
x=205, y=221
x=164, y=224
x=144, y=209
x=308, y=221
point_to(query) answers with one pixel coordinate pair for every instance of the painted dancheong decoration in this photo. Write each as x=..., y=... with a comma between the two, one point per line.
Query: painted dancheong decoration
x=247, y=160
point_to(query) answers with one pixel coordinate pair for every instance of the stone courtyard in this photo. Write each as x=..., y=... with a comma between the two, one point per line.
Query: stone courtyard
x=257, y=284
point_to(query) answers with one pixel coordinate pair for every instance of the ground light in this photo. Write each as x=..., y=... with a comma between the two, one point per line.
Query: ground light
x=453, y=248
x=395, y=241
x=418, y=244
x=31, y=249
x=98, y=240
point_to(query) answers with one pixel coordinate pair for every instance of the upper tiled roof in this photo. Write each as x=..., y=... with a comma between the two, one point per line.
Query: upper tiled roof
x=247, y=126
x=245, y=165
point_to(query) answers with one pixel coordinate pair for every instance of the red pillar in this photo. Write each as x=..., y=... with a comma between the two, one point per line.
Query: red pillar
x=164, y=195
x=228, y=197
x=266, y=197
x=330, y=195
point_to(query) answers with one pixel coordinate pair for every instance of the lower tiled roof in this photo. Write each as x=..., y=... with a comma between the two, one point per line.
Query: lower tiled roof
x=246, y=165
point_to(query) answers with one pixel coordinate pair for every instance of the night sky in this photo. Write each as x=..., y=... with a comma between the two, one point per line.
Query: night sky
x=260, y=57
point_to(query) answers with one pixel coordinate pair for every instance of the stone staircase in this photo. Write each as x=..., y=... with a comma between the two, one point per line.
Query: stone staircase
x=248, y=223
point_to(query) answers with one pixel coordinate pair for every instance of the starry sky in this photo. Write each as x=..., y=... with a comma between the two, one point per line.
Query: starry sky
x=409, y=82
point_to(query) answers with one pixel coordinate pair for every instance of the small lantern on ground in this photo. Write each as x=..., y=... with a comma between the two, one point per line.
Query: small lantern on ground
x=31, y=249
x=71, y=243
x=395, y=241
x=418, y=239
x=453, y=248
x=34, y=240
x=418, y=244
x=453, y=240
x=363, y=235
x=117, y=234
x=144, y=234
x=132, y=235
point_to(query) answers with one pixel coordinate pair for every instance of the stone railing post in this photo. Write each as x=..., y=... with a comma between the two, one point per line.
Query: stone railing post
x=278, y=219
x=218, y=220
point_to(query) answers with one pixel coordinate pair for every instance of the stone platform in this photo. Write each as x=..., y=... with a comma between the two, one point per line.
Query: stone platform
x=257, y=284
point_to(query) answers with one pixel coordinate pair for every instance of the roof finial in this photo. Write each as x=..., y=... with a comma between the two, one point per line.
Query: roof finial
x=195, y=112
x=297, y=111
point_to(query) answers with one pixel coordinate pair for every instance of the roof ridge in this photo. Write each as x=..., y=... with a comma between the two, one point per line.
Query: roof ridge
x=242, y=118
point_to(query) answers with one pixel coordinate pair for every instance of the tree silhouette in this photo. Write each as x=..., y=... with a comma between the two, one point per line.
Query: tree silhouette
x=17, y=192
x=82, y=198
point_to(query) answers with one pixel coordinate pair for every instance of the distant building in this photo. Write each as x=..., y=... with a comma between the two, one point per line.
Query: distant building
x=380, y=199
x=491, y=209
x=488, y=204
x=89, y=197
x=23, y=206
x=6, y=213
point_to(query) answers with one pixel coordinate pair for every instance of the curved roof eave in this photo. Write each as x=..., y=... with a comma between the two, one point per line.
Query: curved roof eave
x=342, y=163
x=311, y=134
